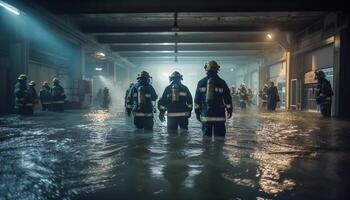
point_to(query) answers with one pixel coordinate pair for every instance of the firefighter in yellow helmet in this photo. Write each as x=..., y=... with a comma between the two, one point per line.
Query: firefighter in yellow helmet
x=142, y=99
x=177, y=101
x=21, y=95
x=212, y=102
x=58, y=96
x=45, y=96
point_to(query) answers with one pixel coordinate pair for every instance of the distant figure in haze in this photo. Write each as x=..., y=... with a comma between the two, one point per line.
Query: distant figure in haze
x=33, y=97
x=243, y=96
x=45, y=96
x=235, y=97
x=98, y=98
x=177, y=101
x=250, y=97
x=272, y=97
x=212, y=102
x=21, y=95
x=128, y=107
x=324, y=93
x=106, y=99
x=58, y=96
x=142, y=99
x=263, y=95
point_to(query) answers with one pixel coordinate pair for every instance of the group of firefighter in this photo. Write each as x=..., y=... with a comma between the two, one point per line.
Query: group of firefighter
x=26, y=97
x=241, y=97
x=213, y=101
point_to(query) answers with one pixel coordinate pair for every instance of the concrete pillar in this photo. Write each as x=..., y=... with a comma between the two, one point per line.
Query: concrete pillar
x=342, y=74
x=288, y=80
x=18, y=65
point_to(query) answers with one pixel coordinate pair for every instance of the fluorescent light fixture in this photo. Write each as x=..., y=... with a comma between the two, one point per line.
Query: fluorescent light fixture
x=100, y=54
x=98, y=68
x=269, y=36
x=9, y=8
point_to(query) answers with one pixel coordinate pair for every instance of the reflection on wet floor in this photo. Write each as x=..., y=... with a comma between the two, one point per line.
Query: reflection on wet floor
x=99, y=155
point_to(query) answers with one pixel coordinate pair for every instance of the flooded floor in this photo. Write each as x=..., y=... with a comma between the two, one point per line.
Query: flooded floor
x=99, y=155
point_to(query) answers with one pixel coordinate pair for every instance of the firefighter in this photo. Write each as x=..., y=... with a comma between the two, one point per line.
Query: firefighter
x=212, y=101
x=263, y=95
x=324, y=94
x=58, y=96
x=32, y=96
x=243, y=96
x=177, y=102
x=106, y=98
x=128, y=107
x=142, y=99
x=45, y=96
x=272, y=97
x=235, y=97
x=21, y=95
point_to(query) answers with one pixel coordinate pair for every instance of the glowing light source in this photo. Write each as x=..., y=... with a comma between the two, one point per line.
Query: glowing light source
x=9, y=8
x=100, y=54
x=269, y=36
x=98, y=68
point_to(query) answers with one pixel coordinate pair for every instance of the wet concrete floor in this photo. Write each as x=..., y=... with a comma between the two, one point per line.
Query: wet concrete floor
x=99, y=155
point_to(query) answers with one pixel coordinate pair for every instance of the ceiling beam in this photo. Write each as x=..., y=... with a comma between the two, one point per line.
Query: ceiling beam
x=200, y=38
x=107, y=30
x=195, y=47
x=142, y=6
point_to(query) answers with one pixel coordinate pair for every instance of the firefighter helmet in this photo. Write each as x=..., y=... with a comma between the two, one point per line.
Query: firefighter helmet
x=211, y=66
x=32, y=83
x=22, y=77
x=175, y=75
x=55, y=80
x=144, y=75
x=45, y=83
x=320, y=74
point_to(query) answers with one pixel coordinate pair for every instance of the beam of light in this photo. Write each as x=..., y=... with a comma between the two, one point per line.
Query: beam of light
x=98, y=68
x=9, y=8
x=269, y=36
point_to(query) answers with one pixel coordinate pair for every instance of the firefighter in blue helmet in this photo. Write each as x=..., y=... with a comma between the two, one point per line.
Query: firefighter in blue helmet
x=32, y=96
x=324, y=93
x=142, y=99
x=22, y=95
x=177, y=101
x=212, y=101
x=45, y=96
x=58, y=96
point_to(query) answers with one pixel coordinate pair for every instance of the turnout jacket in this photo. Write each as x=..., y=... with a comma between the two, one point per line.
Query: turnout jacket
x=324, y=91
x=141, y=98
x=45, y=95
x=221, y=100
x=177, y=100
x=57, y=93
x=21, y=94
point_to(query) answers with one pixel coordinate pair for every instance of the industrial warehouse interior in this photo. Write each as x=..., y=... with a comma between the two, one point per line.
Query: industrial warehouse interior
x=137, y=99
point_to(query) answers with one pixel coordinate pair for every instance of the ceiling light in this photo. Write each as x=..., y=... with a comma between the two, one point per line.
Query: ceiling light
x=9, y=8
x=269, y=36
x=100, y=54
x=98, y=68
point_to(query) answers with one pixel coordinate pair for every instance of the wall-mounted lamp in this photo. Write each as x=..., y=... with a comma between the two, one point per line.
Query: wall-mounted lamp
x=10, y=8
